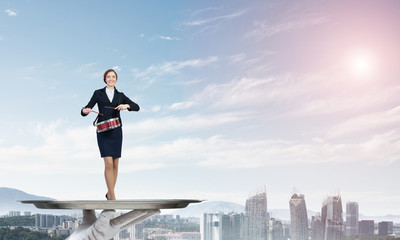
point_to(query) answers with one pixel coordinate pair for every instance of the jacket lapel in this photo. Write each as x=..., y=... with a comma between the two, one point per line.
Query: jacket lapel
x=115, y=97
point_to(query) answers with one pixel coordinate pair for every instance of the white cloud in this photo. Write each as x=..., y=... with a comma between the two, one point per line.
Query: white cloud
x=65, y=149
x=205, y=21
x=205, y=10
x=367, y=123
x=1, y=38
x=264, y=29
x=294, y=94
x=155, y=72
x=181, y=105
x=215, y=19
x=168, y=38
x=190, y=123
x=11, y=13
x=240, y=92
x=221, y=153
x=141, y=35
x=90, y=71
x=60, y=150
x=117, y=68
x=189, y=82
x=156, y=108
x=237, y=57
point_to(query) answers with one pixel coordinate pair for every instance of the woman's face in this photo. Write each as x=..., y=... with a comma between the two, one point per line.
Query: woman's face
x=111, y=79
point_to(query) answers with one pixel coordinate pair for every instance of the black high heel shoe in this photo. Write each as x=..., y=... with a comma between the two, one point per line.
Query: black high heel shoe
x=107, y=197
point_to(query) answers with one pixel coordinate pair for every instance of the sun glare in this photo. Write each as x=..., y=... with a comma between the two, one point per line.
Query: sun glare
x=361, y=64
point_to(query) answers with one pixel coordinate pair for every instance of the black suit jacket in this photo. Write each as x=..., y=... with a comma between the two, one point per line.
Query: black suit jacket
x=100, y=97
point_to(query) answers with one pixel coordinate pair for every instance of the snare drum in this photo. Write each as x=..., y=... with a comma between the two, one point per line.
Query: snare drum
x=108, y=125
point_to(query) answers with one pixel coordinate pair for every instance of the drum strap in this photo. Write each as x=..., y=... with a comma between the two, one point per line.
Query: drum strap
x=95, y=121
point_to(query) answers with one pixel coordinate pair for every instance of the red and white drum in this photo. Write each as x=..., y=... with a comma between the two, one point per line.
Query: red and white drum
x=108, y=125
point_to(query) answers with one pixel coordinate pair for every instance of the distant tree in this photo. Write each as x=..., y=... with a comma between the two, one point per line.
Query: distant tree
x=21, y=233
x=172, y=225
x=17, y=221
x=374, y=237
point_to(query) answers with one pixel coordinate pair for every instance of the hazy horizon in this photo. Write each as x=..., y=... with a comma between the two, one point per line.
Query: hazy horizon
x=234, y=95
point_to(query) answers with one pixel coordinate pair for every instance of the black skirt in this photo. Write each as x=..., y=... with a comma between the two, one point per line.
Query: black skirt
x=110, y=143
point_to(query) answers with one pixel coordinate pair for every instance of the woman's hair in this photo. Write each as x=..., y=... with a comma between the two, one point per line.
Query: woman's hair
x=109, y=70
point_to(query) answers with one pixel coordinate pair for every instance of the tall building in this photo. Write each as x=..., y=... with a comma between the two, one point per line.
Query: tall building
x=351, y=218
x=257, y=219
x=43, y=221
x=366, y=227
x=138, y=231
x=385, y=228
x=226, y=228
x=14, y=213
x=124, y=234
x=236, y=225
x=50, y=221
x=317, y=228
x=332, y=219
x=37, y=220
x=276, y=230
x=298, y=218
x=210, y=226
x=219, y=226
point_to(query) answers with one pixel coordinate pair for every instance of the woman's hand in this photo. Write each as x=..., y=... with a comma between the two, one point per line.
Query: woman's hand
x=122, y=107
x=87, y=110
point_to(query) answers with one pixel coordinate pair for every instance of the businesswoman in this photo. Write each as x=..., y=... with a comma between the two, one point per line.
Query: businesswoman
x=108, y=123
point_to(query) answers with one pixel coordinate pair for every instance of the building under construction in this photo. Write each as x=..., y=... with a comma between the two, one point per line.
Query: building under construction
x=298, y=217
x=256, y=217
x=331, y=217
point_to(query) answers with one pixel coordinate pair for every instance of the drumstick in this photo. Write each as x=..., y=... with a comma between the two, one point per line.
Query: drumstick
x=109, y=107
x=95, y=112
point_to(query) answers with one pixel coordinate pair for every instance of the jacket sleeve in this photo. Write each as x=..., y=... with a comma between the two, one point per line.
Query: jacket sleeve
x=133, y=106
x=91, y=103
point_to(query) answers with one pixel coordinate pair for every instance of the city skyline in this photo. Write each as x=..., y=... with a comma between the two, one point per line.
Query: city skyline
x=213, y=205
x=233, y=95
x=254, y=223
x=213, y=226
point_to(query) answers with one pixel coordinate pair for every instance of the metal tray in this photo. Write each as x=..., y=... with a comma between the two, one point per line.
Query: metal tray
x=117, y=204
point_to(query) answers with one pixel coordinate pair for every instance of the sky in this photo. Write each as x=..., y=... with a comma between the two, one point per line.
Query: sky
x=296, y=96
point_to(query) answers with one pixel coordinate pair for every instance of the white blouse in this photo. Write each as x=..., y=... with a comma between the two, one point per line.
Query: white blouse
x=110, y=94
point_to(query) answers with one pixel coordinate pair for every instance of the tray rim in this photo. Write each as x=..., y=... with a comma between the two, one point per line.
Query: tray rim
x=116, y=204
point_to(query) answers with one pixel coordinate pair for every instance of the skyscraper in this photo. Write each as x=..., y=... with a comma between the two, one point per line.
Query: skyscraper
x=219, y=226
x=317, y=228
x=256, y=216
x=226, y=228
x=366, y=227
x=298, y=218
x=351, y=218
x=332, y=219
x=210, y=226
x=276, y=231
x=385, y=228
x=138, y=231
x=236, y=223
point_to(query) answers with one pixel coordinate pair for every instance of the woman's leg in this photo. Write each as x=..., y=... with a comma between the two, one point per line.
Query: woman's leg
x=115, y=170
x=109, y=177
